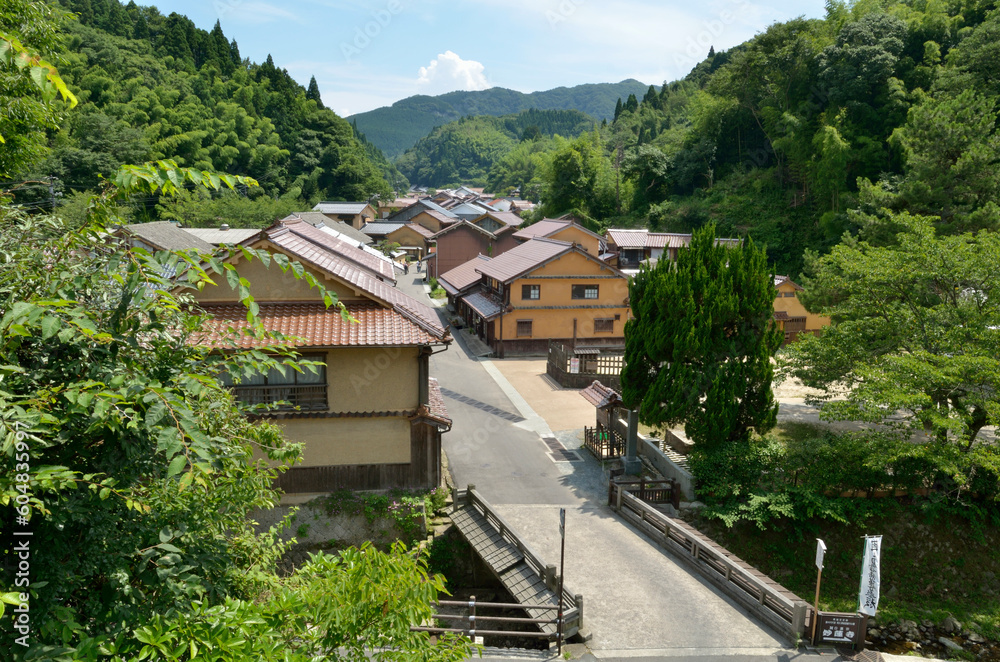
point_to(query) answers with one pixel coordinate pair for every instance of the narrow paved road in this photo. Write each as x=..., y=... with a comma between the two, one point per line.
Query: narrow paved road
x=638, y=600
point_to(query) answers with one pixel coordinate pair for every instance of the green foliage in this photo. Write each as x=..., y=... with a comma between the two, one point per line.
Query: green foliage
x=29, y=85
x=138, y=472
x=464, y=151
x=397, y=128
x=698, y=351
x=200, y=210
x=914, y=331
x=405, y=509
x=156, y=87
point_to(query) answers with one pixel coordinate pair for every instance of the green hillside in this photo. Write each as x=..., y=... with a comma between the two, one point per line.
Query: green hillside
x=793, y=136
x=153, y=86
x=465, y=150
x=396, y=128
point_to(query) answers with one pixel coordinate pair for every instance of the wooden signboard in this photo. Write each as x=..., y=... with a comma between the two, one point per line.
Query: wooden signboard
x=838, y=628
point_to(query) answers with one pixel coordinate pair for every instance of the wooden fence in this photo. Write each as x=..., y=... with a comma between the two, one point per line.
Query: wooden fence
x=647, y=491
x=773, y=604
x=604, y=366
x=604, y=443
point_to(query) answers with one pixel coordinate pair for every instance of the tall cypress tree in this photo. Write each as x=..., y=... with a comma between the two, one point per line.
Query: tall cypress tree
x=618, y=109
x=698, y=348
x=313, y=93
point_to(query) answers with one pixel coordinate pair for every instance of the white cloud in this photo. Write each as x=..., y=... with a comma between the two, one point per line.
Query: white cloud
x=449, y=72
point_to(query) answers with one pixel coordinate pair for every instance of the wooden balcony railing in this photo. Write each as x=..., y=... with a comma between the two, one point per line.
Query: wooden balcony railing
x=291, y=397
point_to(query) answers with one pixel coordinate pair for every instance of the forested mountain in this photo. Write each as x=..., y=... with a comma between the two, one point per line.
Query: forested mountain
x=396, y=128
x=880, y=105
x=152, y=86
x=463, y=151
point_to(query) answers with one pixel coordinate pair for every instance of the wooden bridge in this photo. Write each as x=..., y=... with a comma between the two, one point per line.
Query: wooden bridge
x=529, y=580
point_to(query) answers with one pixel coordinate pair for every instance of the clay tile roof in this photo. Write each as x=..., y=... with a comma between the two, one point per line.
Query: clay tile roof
x=340, y=207
x=463, y=276
x=506, y=217
x=419, y=229
x=219, y=236
x=381, y=228
x=482, y=304
x=338, y=247
x=436, y=404
x=315, y=324
x=325, y=260
x=521, y=259
x=628, y=238
x=542, y=228
x=320, y=219
x=600, y=395
x=780, y=315
x=667, y=240
x=166, y=236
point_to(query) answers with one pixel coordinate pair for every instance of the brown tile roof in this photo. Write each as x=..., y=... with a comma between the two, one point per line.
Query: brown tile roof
x=780, y=315
x=340, y=248
x=505, y=217
x=600, y=395
x=642, y=238
x=460, y=224
x=436, y=407
x=521, y=259
x=419, y=229
x=482, y=304
x=325, y=260
x=315, y=324
x=542, y=228
x=463, y=276
x=442, y=218
x=317, y=219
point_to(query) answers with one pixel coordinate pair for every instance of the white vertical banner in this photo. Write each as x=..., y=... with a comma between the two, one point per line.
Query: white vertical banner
x=870, y=575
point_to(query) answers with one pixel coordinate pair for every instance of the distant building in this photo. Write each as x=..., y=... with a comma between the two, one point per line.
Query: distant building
x=789, y=313
x=355, y=214
x=542, y=290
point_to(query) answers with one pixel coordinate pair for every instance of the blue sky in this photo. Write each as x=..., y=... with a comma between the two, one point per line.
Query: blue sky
x=366, y=54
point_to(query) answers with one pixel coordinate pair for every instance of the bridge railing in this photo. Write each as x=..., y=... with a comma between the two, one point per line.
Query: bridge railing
x=572, y=602
x=778, y=607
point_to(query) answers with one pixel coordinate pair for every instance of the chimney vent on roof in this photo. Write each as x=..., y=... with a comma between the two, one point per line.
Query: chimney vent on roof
x=224, y=227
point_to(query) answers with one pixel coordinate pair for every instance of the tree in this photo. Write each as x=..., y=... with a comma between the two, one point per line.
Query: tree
x=698, y=351
x=914, y=331
x=618, y=109
x=313, y=93
x=952, y=154
x=137, y=472
x=29, y=85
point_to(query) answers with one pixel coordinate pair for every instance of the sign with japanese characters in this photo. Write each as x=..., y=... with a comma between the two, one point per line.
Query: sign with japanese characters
x=870, y=575
x=835, y=628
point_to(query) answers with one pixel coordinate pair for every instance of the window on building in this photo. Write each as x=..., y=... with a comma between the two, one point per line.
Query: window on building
x=523, y=328
x=304, y=390
x=606, y=325
x=788, y=294
x=533, y=292
x=585, y=291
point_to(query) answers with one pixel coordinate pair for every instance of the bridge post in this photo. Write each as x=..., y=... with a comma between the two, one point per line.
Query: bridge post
x=550, y=576
x=468, y=493
x=578, y=599
x=631, y=461
x=799, y=618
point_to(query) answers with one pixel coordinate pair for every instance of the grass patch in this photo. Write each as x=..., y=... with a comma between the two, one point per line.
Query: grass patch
x=933, y=564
